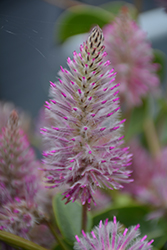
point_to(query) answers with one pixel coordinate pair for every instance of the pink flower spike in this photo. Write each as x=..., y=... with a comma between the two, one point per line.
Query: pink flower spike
x=89, y=105
x=109, y=236
x=133, y=62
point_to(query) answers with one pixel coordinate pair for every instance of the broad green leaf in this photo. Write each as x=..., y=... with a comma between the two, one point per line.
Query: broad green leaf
x=68, y=218
x=17, y=241
x=80, y=19
x=160, y=58
x=116, y=6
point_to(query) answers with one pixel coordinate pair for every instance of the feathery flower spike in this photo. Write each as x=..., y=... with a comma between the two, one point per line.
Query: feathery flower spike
x=131, y=56
x=17, y=159
x=22, y=197
x=83, y=146
x=110, y=236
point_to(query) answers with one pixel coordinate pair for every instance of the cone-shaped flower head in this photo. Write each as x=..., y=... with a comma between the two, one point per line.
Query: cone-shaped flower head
x=84, y=143
x=17, y=159
x=131, y=56
x=22, y=197
x=111, y=236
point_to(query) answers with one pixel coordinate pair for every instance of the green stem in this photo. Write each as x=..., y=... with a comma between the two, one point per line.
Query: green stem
x=62, y=245
x=17, y=241
x=152, y=138
x=84, y=216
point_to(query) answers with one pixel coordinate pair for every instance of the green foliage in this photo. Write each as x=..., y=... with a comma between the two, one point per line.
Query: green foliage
x=81, y=18
x=136, y=120
x=68, y=218
x=161, y=120
x=160, y=58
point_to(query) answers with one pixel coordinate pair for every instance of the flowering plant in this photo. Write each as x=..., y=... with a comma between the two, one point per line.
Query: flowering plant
x=86, y=162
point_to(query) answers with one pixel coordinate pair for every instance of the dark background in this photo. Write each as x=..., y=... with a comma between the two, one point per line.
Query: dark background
x=29, y=57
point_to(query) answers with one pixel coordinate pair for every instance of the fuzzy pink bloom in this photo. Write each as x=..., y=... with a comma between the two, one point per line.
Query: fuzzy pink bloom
x=111, y=235
x=5, y=111
x=17, y=159
x=131, y=56
x=23, y=199
x=83, y=145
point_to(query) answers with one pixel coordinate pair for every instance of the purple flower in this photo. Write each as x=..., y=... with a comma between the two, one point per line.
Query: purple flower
x=131, y=56
x=17, y=159
x=5, y=111
x=19, y=216
x=110, y=235
x=23, y=199
x=83, y=145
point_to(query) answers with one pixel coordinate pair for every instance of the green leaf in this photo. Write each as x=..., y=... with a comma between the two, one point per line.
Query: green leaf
x=116, y=6
x=17, y=241
x=58, y=247
x=68, y=218
x=80, y=19
x=160, y=58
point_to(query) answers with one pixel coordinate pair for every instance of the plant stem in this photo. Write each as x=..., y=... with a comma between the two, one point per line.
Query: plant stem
x=152, y=138
x=84, y=216
x=18, y=241
x=62, y=245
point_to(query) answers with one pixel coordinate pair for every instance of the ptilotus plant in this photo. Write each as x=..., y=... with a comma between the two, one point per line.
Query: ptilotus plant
x=83, y=145
x=17, y=159
x=111, y=235
x=21, y=206
x=132, y=57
